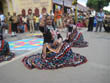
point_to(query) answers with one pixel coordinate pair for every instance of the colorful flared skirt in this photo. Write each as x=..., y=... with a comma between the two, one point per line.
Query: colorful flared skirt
x=64, y=58
x=7, y=57
x=78, y=41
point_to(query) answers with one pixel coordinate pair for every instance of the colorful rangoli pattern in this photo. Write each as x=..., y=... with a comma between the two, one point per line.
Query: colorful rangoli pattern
x=36, y=35
x=26, y=44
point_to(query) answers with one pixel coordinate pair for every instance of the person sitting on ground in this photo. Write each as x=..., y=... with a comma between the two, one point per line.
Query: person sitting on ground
x=70, y=25
x=5, y=54
x=54, y=56
x=20, y=26
x=46, y=28
x=79, y=39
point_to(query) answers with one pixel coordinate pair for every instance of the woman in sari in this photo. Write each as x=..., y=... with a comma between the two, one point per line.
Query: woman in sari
x=5, y=54
x=48, y=30
x=56, y=54
x=78, y=39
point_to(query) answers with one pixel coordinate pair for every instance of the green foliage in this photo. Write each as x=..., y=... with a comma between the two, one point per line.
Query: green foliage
x=107, y=12
x=97, y=4
x=74, y=2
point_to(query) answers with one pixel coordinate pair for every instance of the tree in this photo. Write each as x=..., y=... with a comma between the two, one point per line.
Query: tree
x=74, y=2
x=107, y=12
x=97, y=4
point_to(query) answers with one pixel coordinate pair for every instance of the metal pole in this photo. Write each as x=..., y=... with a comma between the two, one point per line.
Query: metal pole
x=76, y=10
x=76, y=14
x=63, y=7
x=75, y=3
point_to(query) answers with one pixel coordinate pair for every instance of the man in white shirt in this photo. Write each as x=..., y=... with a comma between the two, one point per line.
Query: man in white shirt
x=91, y=20
x=2, y=21
x=2, y=17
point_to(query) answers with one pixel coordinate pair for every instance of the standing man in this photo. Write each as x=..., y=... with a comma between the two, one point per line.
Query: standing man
x=0, y=26
x=2, y=18
x=36, y=22
x=31, y=21
x=58, y=17
x=2, y=21
x=91, y=20
x=8, y=22
x=14, y=22
x=99, y=18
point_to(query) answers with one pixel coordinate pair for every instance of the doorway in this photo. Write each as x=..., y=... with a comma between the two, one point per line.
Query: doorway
x=1, y=7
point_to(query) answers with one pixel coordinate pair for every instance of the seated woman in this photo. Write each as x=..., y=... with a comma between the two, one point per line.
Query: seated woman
x=78, y=39
x=80, y=24
x=55, y=55
x=20, y=28
x=70, y=25
x=5, y=54
x=46, y=28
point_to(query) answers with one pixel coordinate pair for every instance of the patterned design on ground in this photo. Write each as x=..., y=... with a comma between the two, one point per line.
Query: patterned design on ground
x=35, y=34
x=26, y=44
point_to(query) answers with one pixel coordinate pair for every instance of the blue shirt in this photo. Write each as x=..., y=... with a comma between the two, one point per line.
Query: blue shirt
x=2, y=17
x=100, y=16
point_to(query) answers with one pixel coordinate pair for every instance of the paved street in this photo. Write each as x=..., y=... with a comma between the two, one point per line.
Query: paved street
x=96, y=70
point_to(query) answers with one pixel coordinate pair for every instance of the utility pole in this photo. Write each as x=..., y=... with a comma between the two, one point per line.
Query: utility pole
x=75, y=3
x=63, y=7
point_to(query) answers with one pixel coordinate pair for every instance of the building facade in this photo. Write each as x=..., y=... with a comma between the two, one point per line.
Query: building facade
x=36, y=5
x=18, y=5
